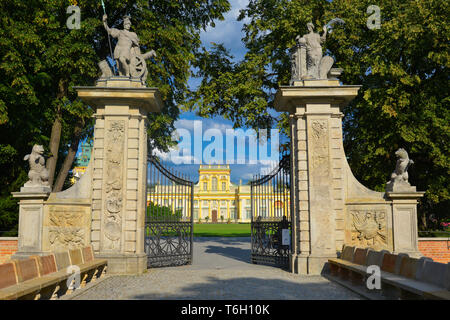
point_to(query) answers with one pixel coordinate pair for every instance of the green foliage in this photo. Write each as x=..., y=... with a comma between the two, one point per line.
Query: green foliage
x=41, y=60
x=403, y=68
x=157, y=212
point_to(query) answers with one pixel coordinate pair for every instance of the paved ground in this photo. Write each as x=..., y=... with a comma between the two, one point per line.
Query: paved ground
x=221, y=270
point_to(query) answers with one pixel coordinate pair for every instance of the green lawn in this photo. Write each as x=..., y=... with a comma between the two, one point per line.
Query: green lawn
x=222, y=230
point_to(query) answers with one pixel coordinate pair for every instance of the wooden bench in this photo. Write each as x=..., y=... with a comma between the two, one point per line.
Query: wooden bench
x=46, y=277
x=402, y=277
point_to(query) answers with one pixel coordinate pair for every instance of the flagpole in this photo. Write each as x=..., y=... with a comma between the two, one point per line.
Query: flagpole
x=109, y=40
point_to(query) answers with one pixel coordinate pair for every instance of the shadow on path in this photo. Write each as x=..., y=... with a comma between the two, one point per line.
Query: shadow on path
x=252, y=288
x=230, y=252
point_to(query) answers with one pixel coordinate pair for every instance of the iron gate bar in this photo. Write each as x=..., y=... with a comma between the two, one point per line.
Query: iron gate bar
x=169, y=232
x=270, y=208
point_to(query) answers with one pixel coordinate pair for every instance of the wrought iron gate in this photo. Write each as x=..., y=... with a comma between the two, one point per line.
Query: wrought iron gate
x=270, y=219
x=169, y=218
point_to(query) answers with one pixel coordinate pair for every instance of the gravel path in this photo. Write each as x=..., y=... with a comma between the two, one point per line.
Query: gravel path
x=221, y=270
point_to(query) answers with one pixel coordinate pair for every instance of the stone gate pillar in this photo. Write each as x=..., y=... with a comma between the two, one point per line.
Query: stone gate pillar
x=119, y=174
x=317, y=161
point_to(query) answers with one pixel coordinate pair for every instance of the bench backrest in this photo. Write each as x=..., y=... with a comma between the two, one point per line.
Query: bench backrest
x=398, y=261
x=360, y=256
x=434, y=273
x=62, y=260
x=88, y=254
x=447, y=278
x=76, y=257
x=347, y=253
x=375, y=257
x=8, y=275
x=408, y=267
x=27, y=269
x=47, y=265
x=391, y=262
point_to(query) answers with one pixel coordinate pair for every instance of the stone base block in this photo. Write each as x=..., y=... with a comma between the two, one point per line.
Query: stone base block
x=124, y=263
x=318, y=264
x=310, y=265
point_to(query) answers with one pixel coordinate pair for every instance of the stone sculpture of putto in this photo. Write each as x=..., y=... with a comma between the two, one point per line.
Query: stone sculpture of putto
x=38, y=174
x=399, y=178
x=127, y=54
x=307, y=61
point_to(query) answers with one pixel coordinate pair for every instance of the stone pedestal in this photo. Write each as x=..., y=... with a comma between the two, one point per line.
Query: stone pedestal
x=31, y=219
x=317, y=165
x=404, y=222
x=120, y=170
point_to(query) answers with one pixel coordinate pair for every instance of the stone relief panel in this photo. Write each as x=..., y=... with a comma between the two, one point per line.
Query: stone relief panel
x=369, y=228
x=66, y=227
x=112, y=222
x=319, y=135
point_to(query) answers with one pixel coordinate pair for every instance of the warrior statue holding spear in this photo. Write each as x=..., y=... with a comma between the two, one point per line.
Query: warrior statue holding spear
x=130, y=61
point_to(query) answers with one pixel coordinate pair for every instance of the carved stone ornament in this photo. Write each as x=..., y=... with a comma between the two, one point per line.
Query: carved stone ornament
x=320, y=147
x=62, y=237
x=368, y=228
x=114, y=184
x=399, y=178
x=127, y=54
x=307, y=61
x=38, y=174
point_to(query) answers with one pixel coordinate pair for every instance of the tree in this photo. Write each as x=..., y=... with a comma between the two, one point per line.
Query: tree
x=42, y=59
x=402, y=67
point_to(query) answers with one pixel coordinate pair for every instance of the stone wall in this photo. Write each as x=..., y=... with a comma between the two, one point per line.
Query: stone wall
x=437, y=249
x=8, y=246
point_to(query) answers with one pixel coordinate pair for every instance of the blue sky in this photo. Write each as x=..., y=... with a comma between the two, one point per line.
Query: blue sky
x=229, y=32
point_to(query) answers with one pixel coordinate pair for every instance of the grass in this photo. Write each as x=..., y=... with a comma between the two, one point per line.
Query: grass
x=222, y=230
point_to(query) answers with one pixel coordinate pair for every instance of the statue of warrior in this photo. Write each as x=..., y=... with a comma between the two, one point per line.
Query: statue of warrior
x=126, y=41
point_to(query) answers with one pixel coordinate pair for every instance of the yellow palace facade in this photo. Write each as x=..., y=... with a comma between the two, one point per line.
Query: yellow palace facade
x=217, y=199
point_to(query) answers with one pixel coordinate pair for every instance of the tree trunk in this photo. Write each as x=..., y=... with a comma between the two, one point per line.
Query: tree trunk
x=56, y=134
x=67, y=164
x=54, y=147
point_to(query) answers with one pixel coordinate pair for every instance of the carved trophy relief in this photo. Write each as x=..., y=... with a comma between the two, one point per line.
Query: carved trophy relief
x=65, y=218
x=368, y=228
x=320, y=147
x=66, y=238
x=114, y=185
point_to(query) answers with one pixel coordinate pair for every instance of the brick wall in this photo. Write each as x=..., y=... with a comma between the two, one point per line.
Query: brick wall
x=8, y=246
x=436, y=248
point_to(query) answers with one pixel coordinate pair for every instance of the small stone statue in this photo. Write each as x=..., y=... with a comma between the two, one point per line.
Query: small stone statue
x=307, y=61
x=399, y=178
x=129, y=59
x=38, y=174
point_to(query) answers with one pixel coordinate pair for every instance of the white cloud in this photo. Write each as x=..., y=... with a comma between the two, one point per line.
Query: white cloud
x=228, y=31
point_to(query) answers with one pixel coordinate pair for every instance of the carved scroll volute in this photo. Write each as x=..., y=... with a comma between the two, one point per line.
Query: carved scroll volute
x=113, y=214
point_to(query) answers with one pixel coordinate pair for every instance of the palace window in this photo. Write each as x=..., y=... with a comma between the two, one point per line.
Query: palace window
x=223, y=203
x=195, y=203
x=214, y=184
x=205, y=213
x=205, y=186
x=205, y=203
x=224, y=186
